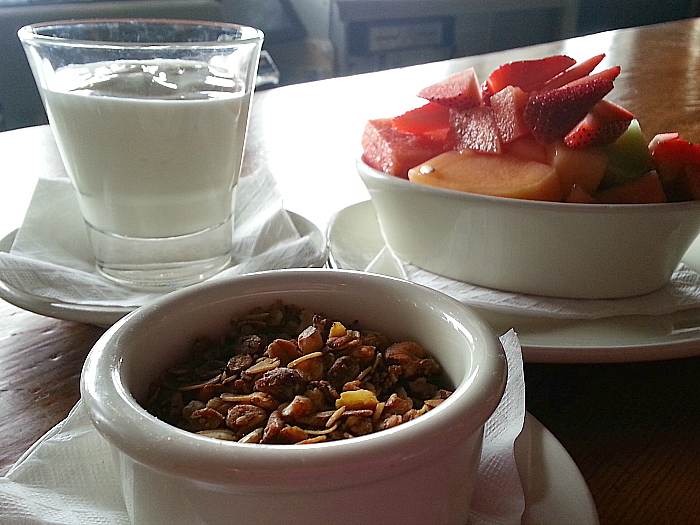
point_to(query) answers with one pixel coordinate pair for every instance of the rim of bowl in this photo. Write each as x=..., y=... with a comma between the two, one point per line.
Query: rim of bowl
x=367, y=171
x=28, y=33
x=122, y=420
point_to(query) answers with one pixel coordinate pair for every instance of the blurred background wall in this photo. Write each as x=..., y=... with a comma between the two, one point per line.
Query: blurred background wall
x=315, y=39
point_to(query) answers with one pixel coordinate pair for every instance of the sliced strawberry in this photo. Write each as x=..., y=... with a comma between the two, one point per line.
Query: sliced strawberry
x=578, y=70
x=689, y=183
x=550, y=115
x=603, y=125
x=429, y=119
x=674, y=158
x=459, y=91
x=474, y=129
x=528, y=75
x=670, y=153
x=671, y=147
x=507, y=106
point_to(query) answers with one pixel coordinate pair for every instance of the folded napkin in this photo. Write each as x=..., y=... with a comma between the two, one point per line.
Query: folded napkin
x=681, y=293
x=68, y=478
x=51, y=256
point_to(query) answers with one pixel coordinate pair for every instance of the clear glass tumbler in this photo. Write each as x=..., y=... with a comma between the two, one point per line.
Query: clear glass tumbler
x=150, y=118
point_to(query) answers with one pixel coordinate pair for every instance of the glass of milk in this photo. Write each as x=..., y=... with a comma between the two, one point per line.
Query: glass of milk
x=150, y=119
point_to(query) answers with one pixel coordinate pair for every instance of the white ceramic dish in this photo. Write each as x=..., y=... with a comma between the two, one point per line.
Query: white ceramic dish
x=398, y=474
x=355, y=240
x=101, y=315
x=554, y=249
x=555, y=491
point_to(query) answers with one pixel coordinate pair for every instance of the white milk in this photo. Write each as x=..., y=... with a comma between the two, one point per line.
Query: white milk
x=150, y=167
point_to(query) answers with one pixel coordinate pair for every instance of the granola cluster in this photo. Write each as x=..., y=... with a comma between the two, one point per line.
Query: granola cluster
x=286, y=375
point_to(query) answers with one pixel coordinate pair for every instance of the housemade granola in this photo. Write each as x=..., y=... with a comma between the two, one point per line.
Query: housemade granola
x=286, y=375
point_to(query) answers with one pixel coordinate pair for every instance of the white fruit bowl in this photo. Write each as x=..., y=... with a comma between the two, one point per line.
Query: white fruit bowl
x=422, y=471
x=580, y=251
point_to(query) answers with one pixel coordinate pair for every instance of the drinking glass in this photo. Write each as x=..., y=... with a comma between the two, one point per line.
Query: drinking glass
x=150, y=118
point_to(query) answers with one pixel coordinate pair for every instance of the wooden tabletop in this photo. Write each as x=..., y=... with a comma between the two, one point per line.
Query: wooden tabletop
x=632, y=428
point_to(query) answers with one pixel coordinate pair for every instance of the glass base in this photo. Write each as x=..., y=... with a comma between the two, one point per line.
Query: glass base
x=165, y=262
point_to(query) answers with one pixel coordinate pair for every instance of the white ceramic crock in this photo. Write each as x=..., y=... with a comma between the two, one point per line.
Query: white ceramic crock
x=420, y=472
x=580, y=251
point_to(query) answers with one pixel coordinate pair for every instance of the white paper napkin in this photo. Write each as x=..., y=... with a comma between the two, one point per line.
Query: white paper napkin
x=51, y=256
x=681, y=293
x=68, y=478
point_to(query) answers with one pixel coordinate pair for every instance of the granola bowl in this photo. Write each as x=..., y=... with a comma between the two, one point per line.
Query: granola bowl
x=556, y=249
x=420, y=471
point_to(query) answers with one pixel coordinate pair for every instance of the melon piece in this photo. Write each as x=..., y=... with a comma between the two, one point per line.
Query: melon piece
x=528, y=148
x=578, y=195
x=459, y=91
x=507, y=107
x=582, y=167
x=497, y=175
x=474, y=129
x=646, y=189
x=628, y=157
x=391, y=151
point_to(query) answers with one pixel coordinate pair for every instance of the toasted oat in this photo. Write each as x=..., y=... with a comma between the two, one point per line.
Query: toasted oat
x=284, y=375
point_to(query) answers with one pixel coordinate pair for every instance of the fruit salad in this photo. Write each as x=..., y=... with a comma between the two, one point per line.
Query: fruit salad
x=534, y=129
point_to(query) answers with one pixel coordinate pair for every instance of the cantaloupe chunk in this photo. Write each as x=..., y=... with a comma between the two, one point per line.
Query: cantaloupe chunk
x=498, y=175
x=584, y=167
x=579, y=196
x=529, y=149
x=646, y=189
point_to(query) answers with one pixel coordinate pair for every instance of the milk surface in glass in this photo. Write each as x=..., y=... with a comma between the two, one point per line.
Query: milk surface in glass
x=153, y=148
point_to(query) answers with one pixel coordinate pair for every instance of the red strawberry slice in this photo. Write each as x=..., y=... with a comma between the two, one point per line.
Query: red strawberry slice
x=474, y=129
x=459, y=91
x=677, y=162
x=578, y=70
x=550, y=115
x=603, y=125
x=672, y=147
x=429, y=119
x=528, y=75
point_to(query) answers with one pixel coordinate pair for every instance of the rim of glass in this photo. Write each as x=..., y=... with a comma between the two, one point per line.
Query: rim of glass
x=29, y=33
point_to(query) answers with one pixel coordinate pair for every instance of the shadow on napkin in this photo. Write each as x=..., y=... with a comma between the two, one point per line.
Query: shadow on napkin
x=51, y=255
x=681, y=293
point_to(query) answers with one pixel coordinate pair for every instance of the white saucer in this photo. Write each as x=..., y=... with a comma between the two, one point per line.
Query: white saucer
x=555, y=491
x=101, y=315
x=355, y=240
